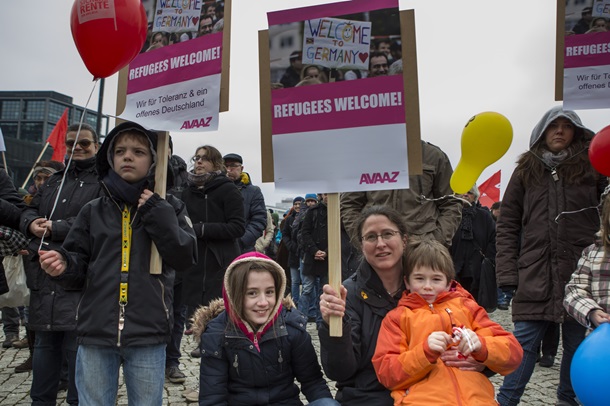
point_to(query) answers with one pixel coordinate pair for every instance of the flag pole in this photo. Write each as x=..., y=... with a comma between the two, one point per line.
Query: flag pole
x=46, y=145
x=4, y=160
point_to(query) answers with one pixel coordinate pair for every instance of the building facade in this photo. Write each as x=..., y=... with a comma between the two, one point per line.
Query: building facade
x=27, y=118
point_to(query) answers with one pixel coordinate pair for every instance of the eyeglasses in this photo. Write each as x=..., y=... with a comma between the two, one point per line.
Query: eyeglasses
x=201, y=158
x=386, y=236
x=233, y=165
x=83, y=143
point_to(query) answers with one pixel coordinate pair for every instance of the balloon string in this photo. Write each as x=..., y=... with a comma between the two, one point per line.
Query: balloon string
x=576, y=211
x=63, y=179
x=422, y=197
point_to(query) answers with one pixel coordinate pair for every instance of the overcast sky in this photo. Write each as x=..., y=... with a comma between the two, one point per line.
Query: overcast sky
x=473, y=56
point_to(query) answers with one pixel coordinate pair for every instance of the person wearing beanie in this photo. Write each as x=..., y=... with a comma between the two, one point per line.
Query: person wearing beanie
x=254, y=310
x=311, y=196
x=52, y=310
x=124, y=314
x=255, y=211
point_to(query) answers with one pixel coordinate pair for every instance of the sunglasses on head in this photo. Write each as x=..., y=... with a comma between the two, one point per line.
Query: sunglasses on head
x=83, y=143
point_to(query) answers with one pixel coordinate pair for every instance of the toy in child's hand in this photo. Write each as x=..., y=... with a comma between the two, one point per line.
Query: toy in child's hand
x=456, y=337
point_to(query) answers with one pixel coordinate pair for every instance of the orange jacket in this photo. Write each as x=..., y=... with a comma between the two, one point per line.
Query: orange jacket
x=402, y=357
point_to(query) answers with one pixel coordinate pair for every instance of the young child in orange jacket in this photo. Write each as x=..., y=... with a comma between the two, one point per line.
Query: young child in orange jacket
x=438, y=314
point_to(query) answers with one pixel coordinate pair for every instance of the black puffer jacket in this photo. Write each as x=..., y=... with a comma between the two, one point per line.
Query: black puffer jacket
x=53, y=307
x=217, y=212
x=238, y=374
x=93, y=250
x=347, y=359
x=11, y=205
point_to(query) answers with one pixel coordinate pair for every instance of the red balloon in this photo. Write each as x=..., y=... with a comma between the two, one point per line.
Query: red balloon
x=108, y=33
x=599, y=151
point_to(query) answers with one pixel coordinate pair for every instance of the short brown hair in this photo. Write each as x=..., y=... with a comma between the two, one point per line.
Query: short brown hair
x=431, y=254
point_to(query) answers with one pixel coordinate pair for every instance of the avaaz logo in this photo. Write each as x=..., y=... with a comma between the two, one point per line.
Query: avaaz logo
x=202, y=122
x=379, y=177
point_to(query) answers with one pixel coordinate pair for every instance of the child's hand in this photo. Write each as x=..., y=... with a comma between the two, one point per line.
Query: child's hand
x=469, y=343
x=146, y=194
x=438, y=341
x=598, y=317
x=52, y=262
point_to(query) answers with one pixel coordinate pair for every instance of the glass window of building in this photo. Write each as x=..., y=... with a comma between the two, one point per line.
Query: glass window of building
x=9, y=109
x=91, y=119
x=34, y=110
x=9, y=130
x=32, y=132
x=55, y=112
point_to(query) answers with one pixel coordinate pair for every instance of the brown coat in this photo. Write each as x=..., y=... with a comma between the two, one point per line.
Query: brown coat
x=537, y=248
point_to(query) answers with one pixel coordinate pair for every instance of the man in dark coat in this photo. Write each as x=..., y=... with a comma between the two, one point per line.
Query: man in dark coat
x=255, y=211
x=473, y=244
x=52, y=312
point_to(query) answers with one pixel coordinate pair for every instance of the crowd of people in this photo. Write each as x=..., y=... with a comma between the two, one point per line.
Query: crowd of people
x=421, y=269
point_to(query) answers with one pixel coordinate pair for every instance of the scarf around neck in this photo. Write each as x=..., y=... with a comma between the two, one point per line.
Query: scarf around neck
x=123, y=191
x=200, y=180
x=552, y=160
x=466, y=224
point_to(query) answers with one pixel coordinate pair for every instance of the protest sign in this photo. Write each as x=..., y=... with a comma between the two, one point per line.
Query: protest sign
x=336, y=43
x=177, y=15
x=343, y=135
x=583, y=62
x=180, y=79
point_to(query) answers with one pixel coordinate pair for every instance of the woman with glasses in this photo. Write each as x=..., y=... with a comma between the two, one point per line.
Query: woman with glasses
x=52, y=311
x=549, y=215
x=216, y=208
x=366, y=297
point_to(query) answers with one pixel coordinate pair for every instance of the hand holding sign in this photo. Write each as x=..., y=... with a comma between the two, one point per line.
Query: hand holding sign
x=486, y=137
x=599, y=151
x=108, y=33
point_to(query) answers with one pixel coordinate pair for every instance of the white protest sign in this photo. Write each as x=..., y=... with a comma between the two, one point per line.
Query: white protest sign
x=177, y=15
x=336, y=43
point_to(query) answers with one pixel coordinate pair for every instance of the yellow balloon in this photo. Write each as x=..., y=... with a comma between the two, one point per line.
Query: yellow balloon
x=485, y=139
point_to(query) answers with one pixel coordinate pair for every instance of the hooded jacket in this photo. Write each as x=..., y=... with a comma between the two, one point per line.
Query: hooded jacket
x=402, y=358
x=543, y=230
x=242, y=366
x=53, y=306
x=93, y=251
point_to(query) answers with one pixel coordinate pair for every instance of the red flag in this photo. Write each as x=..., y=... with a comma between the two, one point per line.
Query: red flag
x=57, y=138
x=490, y=190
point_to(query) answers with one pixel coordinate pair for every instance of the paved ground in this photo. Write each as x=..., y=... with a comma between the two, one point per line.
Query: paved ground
x=14, y=388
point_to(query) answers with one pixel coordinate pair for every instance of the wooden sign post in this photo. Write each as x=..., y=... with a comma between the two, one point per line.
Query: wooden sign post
x=334, y=257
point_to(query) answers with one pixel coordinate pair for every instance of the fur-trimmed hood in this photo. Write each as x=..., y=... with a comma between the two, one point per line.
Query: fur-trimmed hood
x=204, y=314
